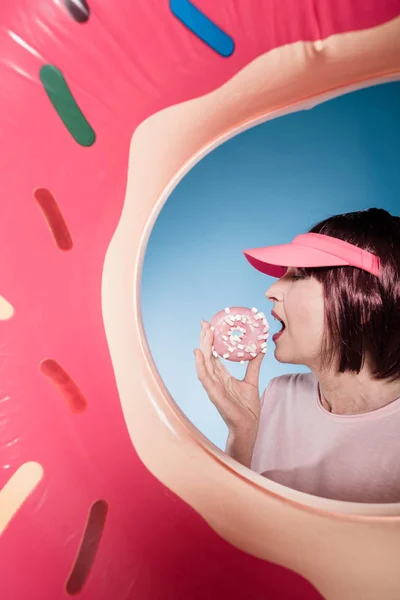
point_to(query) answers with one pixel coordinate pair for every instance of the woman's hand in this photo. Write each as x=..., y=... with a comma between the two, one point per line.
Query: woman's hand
x=238, y=402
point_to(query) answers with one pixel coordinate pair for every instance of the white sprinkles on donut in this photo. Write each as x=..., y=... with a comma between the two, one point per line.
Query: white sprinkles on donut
x=237, y=333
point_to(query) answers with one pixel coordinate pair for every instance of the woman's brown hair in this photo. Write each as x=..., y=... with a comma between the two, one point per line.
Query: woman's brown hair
x=362, y=311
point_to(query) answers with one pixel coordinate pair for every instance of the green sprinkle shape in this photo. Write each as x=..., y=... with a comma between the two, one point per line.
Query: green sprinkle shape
x=65, y=104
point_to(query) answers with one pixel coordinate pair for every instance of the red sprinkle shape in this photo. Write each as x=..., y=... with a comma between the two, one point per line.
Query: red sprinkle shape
x=64, y=384
x=54, y=218
x=88, y=548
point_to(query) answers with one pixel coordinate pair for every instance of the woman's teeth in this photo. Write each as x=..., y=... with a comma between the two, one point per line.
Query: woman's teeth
x=281, y=322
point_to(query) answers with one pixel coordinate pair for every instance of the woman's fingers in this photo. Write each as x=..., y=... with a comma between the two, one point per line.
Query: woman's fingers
x=202, y=373
x=213, y=388
x=253, y=370
x=201, y=367
x=206, y=348
x=203, y=347
x=220, y=369
x=202, y=333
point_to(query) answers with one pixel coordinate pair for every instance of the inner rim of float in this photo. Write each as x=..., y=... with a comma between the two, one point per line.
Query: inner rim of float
x=326, y=505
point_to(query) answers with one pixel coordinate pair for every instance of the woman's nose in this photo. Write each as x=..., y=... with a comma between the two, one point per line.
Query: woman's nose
x=274, y=292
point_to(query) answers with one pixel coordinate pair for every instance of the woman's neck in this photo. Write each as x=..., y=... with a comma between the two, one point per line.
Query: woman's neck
x=352, y=394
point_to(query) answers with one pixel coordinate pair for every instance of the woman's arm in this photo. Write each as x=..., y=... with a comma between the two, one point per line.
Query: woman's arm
x=240, y=444
x=237, y=401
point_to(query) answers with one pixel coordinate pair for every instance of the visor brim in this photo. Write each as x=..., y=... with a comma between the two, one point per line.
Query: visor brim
x=275, y=260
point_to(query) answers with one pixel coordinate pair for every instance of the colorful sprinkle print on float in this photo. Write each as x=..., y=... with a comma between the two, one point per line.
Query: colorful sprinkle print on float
x=78, y=9
x=107, y=491
x=65, y=104
x=203, y=27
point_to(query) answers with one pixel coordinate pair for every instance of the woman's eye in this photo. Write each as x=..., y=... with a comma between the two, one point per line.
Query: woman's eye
x=297, y=277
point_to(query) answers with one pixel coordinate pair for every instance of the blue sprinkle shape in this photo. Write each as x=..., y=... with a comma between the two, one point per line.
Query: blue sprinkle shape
x=202, y=26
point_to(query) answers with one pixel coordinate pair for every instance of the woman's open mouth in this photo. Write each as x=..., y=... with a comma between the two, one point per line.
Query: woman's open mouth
x=277, y=335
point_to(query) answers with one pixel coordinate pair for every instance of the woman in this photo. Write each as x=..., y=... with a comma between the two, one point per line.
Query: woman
x=333, y=432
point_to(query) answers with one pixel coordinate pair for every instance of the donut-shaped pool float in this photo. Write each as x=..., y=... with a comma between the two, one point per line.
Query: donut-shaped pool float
x=107, y=490
x=240, y=333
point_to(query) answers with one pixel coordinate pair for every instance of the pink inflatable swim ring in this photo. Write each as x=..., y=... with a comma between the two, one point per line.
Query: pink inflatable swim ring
x=107, y=490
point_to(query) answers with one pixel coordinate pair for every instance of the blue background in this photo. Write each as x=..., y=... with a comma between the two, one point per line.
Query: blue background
x=263, y=187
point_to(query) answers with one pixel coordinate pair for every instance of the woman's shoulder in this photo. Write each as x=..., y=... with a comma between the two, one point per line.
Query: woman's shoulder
x=290, y=384
x=295, y=379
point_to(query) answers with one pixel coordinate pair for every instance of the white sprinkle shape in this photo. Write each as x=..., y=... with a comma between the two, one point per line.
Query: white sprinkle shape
x=238, y=318
x=224, y=337
x=215, y=354
x=244, y=320
x=212, y=328
x=240, y=354
x=264, y=345
x=255, y=310
x=242, y=362
x=226, y=355
x=264, y=350
x=256, y=324
x=253, y=354
x=227, y=310
x=230, y=349
x=240, y=346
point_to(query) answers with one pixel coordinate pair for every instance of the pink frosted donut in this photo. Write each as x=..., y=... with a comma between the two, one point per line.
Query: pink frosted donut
x=240, y=333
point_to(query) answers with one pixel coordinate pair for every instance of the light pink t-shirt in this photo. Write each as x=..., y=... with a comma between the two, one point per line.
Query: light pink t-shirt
x=301, y=445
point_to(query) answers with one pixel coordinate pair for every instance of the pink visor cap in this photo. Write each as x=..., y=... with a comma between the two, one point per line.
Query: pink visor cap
x=311, y=250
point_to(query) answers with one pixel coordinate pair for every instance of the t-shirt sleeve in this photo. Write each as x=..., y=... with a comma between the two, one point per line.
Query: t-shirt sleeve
x=263, y=398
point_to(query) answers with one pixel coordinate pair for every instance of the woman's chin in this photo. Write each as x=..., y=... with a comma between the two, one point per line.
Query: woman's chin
x=283, y=356
x=280, y=356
